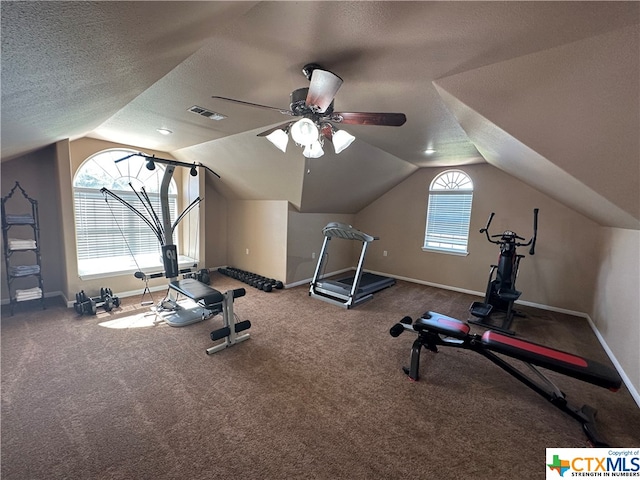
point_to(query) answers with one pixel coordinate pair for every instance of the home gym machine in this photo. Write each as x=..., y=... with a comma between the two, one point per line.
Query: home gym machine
x=204, y=301
x=352, y=290
x=501, y=290
x=434, y=329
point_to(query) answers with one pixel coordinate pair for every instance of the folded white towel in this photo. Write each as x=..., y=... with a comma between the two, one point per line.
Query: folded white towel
x=33, y=296
x=29, y=290
x=18, y=244
x=28, y=294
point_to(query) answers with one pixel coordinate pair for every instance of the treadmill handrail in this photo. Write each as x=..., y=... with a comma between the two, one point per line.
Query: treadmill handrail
x=342, y=230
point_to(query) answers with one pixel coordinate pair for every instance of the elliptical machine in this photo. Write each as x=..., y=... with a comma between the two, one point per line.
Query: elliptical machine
x=501, y=290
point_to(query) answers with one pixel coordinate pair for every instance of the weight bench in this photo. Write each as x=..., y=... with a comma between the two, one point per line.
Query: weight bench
x=214, y=302
x=435, y=329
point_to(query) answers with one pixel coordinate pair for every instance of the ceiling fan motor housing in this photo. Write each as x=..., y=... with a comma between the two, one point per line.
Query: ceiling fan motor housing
x=298, y=105
x=298, y=98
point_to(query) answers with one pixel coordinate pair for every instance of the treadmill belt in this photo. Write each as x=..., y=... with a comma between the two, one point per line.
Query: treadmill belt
x=369, y=282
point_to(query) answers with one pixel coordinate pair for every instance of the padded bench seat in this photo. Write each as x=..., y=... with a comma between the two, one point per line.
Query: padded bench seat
x=557, y=360
x=438, y=323
x=197, y=291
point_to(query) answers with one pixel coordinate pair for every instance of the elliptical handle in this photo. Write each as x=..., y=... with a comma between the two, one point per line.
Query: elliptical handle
x=532, y=250
x=482, y=230
x=485, y=230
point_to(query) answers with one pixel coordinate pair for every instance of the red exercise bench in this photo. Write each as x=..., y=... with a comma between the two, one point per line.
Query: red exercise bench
x=435, y=329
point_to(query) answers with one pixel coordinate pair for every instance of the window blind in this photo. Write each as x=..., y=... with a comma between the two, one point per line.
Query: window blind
x=107, y=229
x=448, y=218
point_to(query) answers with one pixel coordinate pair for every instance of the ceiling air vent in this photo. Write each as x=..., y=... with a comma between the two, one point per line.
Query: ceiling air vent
x=207, y=113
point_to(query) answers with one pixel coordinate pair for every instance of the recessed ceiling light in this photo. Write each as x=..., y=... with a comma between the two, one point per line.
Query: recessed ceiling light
x=164, y=131
x=429, y=151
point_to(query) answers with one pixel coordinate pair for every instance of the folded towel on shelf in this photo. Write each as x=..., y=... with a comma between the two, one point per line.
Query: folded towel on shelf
x=28, y=294
x=21, y=270
x=13, y=218
x=19, y=244
x=34, y=296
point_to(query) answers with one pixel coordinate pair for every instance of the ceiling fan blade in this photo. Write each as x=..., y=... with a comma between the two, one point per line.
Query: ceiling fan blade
x=323, y=87
x=249, y=104
x=368, y=118
x=284, y=127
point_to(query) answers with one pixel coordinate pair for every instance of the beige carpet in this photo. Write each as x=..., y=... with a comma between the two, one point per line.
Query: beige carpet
x=317, y=392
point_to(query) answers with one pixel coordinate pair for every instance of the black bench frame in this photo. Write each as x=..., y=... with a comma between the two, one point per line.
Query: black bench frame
x=214, y=302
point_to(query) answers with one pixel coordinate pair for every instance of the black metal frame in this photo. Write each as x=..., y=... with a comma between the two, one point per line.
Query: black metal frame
x=35, y=225
x=501, y=291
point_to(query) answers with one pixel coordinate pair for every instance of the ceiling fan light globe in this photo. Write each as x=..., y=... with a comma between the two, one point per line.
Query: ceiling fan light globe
x=313, y=151
x=342, y=140
x=279, y=138
x=304, y=132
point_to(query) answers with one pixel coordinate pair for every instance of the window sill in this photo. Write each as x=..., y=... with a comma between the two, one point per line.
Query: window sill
x=448, y=252
x=94, y=269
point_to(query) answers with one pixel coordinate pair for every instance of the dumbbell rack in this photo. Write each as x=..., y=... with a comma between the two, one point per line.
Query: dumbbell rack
x=257, y=281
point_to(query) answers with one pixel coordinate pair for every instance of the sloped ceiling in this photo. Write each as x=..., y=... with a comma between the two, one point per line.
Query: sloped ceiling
x=119, y=70
x=562, y=146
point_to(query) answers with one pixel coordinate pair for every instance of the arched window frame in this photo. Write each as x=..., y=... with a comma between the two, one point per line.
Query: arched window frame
x=110, y=239
x=449, y=213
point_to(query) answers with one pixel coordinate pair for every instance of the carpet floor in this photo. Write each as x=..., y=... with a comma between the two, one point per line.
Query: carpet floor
x=317, y=392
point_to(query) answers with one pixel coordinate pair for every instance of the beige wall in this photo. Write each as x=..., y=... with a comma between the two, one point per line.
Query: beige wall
x=561, y=274
x=304, y=243
x=215, y=228
x=258, y=227
x=616, y=298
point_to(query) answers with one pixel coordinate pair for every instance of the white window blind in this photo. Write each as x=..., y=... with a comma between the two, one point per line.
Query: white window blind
x=449, y=213
x=108, y=229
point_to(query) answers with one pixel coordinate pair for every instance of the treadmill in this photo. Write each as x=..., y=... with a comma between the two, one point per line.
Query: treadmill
x=352, y=290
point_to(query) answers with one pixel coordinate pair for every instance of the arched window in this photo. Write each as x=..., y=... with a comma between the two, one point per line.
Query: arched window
x=449, y=213
x=110, y=238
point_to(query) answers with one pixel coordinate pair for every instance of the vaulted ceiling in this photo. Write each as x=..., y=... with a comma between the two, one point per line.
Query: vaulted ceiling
x=547, y=91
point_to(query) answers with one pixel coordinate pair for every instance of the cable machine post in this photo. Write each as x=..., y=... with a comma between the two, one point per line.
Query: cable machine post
x=164, y=203
x=169, y=249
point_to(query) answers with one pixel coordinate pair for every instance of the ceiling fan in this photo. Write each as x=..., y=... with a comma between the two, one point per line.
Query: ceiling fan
x=314, y=104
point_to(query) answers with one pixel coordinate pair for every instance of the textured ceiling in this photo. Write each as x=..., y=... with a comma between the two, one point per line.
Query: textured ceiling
x=119, y=70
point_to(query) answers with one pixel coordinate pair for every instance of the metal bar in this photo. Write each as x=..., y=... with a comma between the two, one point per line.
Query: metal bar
x=165, y=161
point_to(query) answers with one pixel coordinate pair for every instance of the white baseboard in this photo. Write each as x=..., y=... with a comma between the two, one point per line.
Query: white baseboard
x=627, y=381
